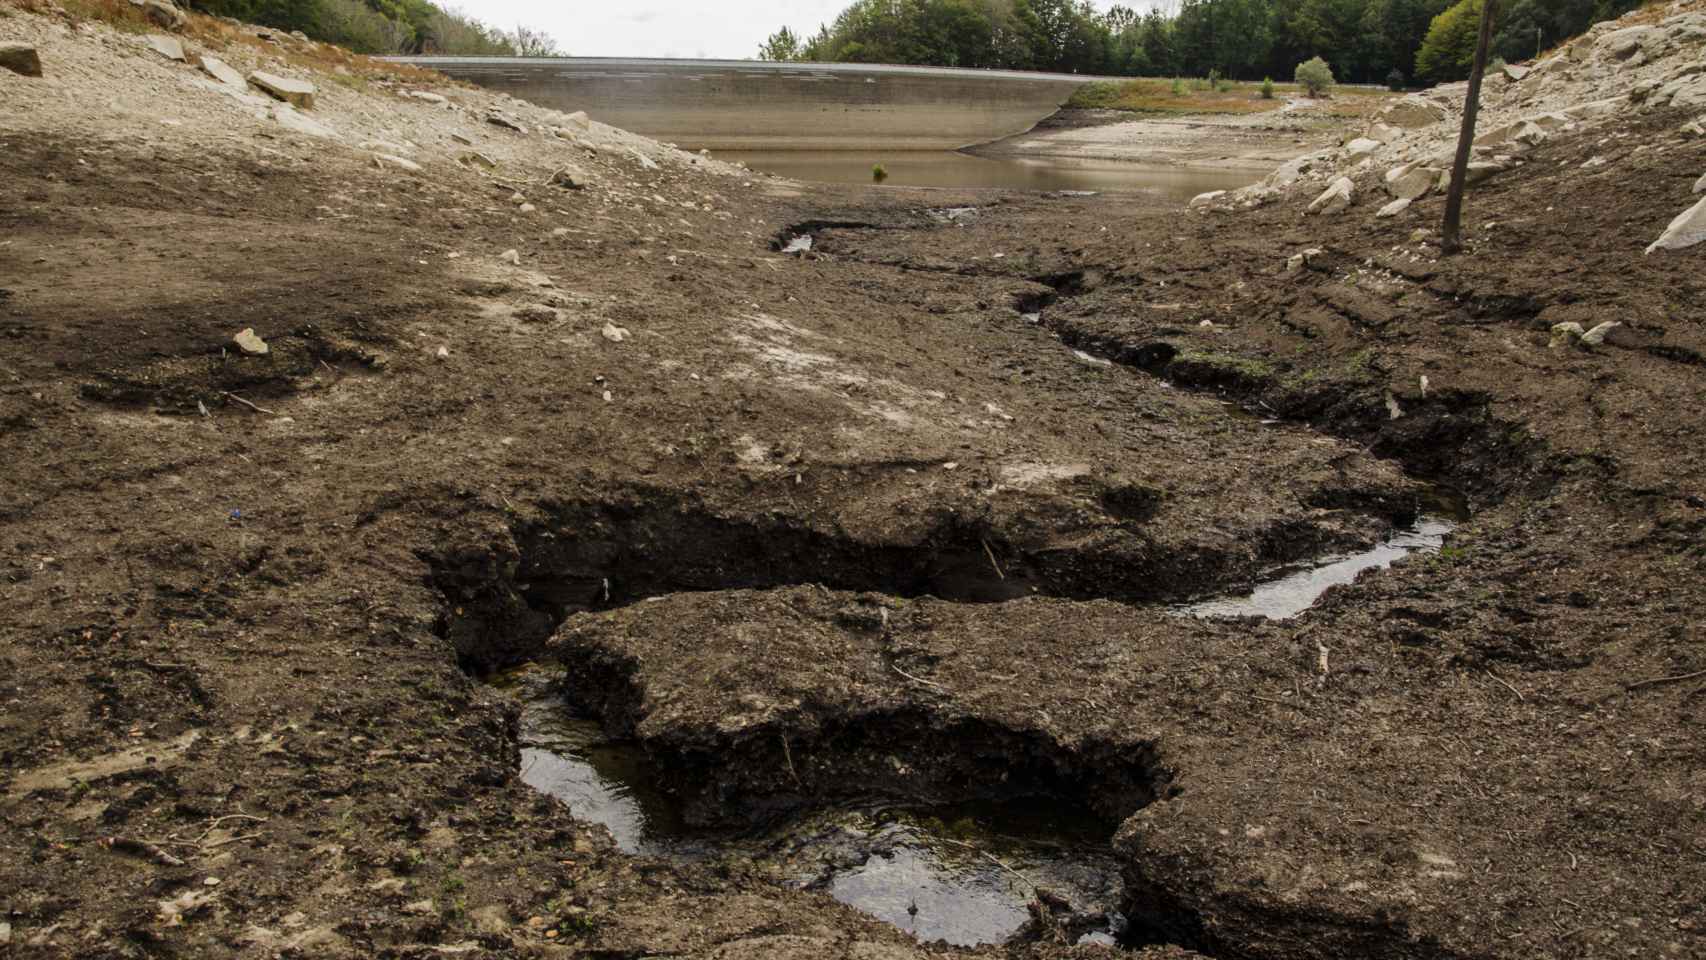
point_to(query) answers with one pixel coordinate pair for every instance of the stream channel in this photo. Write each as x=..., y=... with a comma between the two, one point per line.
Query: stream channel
x=966, y=874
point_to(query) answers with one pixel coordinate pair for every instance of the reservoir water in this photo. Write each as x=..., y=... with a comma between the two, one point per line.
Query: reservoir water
x=948, y=168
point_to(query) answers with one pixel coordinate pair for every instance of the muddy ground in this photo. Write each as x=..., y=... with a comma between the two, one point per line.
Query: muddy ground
x=902, y=515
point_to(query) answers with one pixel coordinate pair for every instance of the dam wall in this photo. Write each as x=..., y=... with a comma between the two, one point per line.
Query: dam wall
x=752, y=105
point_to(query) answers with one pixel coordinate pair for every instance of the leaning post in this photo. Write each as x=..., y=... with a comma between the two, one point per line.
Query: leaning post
x=1452, y=235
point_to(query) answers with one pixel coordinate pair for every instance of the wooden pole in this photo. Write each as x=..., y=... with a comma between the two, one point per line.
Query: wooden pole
x=1452, y=235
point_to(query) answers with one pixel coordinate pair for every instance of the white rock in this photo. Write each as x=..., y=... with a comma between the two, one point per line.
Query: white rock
x=427, y=97
x=498, y=118
x=1335, y=198
x=578, y=119
x=287, y=117
x=1596, y=336
x=1688, y=229
x=297, y=93
x=526, y=208
x=1413, y=183
x=1384, y=132
x=1514, y=73
x=1394, y=208
x=1700, y=184
x=512, y=256
x=615, y=334
x=1595, y=108
x=1291, y=170
x=401, y=163
x=218, y=70
x=1361, y=146
x=249, y=343
x=1206, y=199
x=1413, y=112
x=1300, y=260
x=165, y=46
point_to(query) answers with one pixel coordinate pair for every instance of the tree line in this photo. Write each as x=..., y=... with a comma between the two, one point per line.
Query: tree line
x=386, y=26
x=1364, y=40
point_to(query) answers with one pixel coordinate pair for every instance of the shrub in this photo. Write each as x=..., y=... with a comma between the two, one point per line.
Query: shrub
x=1267, y=88
x=1178, y=87
x=878, y=174
x=1315, y=76
x=1396, y=81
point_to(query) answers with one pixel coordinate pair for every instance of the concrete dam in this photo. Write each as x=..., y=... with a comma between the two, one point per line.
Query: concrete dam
x=753, y=105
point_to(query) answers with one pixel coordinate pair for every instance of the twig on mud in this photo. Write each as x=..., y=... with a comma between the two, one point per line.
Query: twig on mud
x=1655, y=681
x=928, y=683
x=991, y=555
x=1519, y=697
x=221, y=843
x=788, y=755
x=257, y=409
x=216, y=821
x=141, y=848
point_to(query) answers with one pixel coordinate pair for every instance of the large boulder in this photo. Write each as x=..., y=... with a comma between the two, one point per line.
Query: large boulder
x=297, y=93
x=165, y=46
x=1688, y=229
x=20, y=58
x=1413, y=112
x=219, y=70
x=1335, y=198
x=1361, y=147
x=1412, y=182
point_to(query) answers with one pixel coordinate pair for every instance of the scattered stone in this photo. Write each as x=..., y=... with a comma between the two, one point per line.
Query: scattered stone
x=462, y=139
x=614, y=333
x=163, y=13
x=20, y=58
x=1301, y=260
x=498, y=118
x=480, y=159
x=297, y=93
x=401, y=163
x=288, y=118
x=1597, y=335
x=219, y=70
x=1207, y=199
x=249, y=343
x=428, y=97
x=1394, y=208
x=526, y=208
x=511, y=256
x=1361, y=146
x=1413, y=112
x=578, y=119
x=1335, y=198
x=570, y=178
x=1290, y=171
x=646, y=163
x=419, y=907
x=1565, y=333
x=167, y=47
x=560, y=231
x=1514, y=73
x=1595, y=108
x=1688, y=229
x=1412, y=183
x=1384, y=132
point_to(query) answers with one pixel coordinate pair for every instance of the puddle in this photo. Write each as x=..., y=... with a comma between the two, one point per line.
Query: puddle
x=947, y=168
x=1297, y=590
x=964, y=874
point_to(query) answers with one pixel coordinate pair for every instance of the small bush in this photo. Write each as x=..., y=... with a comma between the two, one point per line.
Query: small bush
x=1213, y=78
x=1396, y=81
x=878, y=174
x=1267, y=88
x=1178, y=87
x=1224, y=86
x=1315, y=76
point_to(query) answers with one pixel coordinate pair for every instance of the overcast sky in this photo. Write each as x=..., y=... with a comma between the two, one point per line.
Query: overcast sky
x=730, y=29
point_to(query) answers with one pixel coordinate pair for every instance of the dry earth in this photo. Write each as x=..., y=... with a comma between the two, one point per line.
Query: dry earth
x=907, y=509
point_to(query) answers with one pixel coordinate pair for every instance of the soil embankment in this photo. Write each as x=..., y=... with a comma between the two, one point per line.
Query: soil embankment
x=903, y=515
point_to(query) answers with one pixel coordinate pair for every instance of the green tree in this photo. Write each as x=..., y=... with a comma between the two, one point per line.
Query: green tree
x=783, y=45
x=1448, y=51
x=1315, y=76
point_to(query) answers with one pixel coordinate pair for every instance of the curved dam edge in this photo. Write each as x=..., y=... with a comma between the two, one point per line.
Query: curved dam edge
x=753, y=105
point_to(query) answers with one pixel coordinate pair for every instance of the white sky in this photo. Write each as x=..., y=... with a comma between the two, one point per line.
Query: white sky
x=722, y=29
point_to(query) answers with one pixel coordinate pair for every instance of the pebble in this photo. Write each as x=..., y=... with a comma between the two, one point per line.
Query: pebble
x=249, y=343
x=511, y=255
x=443, y=353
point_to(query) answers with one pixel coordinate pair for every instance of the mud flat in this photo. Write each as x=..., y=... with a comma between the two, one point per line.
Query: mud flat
x=1256, y=143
